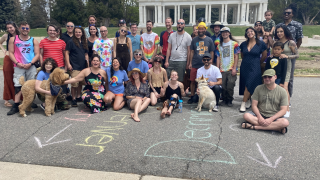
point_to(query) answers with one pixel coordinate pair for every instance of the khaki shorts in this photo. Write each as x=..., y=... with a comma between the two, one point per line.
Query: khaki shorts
x=73, y=74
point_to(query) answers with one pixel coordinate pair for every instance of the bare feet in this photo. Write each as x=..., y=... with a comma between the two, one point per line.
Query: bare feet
x=135, y=118
x=132, y=114
x=168, y=113
x=163, y=114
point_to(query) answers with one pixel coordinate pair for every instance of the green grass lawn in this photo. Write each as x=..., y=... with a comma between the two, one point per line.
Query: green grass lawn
x=235, y=30
x=1, y=61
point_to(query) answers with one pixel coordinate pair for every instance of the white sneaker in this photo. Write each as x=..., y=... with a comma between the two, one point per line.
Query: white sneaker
x=243, y=107
x=287, y=114
x=216, y=108
x=248, y=104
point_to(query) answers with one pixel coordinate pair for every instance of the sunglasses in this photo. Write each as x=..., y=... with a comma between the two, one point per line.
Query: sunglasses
x=123, y=31
x=25, y=28
x=92, y=25
x=158, y=61
x=138, y=54
x=285, y=13
x=69, y=26
x=78, y=26
x=180, y=23
x=269, y=77
x=9, y=22
x=206, y=59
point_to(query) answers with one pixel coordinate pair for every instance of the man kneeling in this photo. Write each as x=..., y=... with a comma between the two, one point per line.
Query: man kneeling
x=269, y=103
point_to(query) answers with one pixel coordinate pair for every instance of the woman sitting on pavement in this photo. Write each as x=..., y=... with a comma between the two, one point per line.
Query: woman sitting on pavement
x=116, y=77
x=46, y=69
x=173, y=90
x=157, y=76
x=137, y=93
x=94, y=90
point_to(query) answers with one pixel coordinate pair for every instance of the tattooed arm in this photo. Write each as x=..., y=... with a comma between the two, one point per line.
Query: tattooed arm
x=294, y=51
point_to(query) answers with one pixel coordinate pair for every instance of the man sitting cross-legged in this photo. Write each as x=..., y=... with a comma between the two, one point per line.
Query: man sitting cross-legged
x=269, y=104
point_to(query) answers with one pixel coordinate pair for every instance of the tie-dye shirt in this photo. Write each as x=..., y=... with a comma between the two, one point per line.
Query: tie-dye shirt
x=23, y=50
x=104, y=49
x=226, y=52
x=149, y=42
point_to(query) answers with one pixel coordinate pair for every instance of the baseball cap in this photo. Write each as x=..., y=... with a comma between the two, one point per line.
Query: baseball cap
x=202, y=24
x=225, y=29
x=201, y=19
x=207, y=55
x=269, y=72
x=122, y=21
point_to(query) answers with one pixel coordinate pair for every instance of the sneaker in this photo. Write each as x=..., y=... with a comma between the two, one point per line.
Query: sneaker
x=229, y=103
x=287, y=114
x=74, y=103
x=42, y=107
x=243, y=107
x=216, y=108
x=13, y=110
x=248, y=104
x=79, y=99
x=33, y=105
x=190, y=101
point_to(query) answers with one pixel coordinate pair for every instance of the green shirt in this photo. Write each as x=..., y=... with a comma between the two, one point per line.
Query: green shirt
x=270, y=101
x=268, y=25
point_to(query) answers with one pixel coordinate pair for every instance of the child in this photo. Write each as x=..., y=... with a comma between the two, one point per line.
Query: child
x=268, y=25
x=269, y=42
x=279, y=65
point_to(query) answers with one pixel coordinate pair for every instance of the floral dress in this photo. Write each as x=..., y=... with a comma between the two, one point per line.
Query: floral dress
x=93, y=93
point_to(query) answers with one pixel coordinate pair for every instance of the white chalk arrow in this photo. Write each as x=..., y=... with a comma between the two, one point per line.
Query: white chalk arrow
x=42, y=145
x=267, y=163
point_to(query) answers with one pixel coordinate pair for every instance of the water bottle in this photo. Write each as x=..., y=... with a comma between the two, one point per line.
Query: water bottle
x=180, y=106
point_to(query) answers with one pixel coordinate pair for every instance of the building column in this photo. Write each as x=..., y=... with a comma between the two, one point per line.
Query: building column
x=140, y=16
x=163, y=14
x=155, y=14
x=259, y=12
x=226, y=14
x=247, y=13
x=144, y=15
x=194, y=14
x=175, y=15
x=222, y=13
x=209, y=14
x=255, y=13
x=178, y=17
x=206, y=14
x=243, y=15
x=238, y=14
x=190, y=15
x=159, y=14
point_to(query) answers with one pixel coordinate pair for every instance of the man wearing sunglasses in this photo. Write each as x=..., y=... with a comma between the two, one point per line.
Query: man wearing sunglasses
x=178, y=51
x=138, y=63
x=69, y=33
x=24, y=51
x=122, y=22
x=164, y=37
x=269, y=105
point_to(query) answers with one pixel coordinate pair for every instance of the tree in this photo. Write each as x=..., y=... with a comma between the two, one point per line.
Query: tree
x=309, y=10
x=131, y=11
x=7, y=12
x=37, y=17
x=278, y=6
x=64, y=11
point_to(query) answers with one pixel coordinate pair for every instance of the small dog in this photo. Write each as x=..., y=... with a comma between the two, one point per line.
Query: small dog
x=207, y=98
x=57, y=77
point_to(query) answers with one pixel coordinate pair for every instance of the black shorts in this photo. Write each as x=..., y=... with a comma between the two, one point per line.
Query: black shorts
x=158, y=89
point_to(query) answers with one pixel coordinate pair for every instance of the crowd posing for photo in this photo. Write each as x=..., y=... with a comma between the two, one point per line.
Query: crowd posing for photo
x=128, y=70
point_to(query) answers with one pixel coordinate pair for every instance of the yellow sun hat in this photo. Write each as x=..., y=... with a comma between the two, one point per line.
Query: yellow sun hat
x=202, y=24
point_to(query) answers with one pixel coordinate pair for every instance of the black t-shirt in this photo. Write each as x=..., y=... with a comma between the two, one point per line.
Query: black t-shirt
x=76, y=56
x=65, y=37
x=279, y=65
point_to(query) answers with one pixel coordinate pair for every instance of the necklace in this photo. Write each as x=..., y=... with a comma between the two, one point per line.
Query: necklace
x=177, y=40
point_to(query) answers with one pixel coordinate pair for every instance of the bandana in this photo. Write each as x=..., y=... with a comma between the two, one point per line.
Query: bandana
x=54, y=89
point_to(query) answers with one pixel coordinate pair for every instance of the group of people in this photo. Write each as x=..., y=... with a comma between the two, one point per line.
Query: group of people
x=128, y=69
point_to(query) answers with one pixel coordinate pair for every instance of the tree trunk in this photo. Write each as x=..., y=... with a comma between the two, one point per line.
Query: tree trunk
x=314, y=17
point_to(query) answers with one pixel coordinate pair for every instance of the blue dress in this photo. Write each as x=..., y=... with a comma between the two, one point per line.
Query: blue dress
x=250, y=72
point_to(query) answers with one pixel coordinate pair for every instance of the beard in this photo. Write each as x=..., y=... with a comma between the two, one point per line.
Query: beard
x=200, y=34
x=149, y=29
x=180, y=30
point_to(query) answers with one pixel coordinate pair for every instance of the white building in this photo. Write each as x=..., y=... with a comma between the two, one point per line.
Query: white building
x=245, y=12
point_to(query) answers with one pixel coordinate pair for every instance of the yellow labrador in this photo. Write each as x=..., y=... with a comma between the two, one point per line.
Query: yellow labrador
x=207, y=99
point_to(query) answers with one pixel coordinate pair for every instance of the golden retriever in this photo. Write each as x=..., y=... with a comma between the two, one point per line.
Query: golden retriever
x=57, y=77
x=207, y=98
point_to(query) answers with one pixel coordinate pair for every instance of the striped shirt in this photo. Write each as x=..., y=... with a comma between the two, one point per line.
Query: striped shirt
x=54, y=50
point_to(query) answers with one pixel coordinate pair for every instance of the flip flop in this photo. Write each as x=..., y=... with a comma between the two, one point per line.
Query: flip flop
x=7, y=104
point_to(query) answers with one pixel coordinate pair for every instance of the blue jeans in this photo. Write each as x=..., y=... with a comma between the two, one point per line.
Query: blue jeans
x=278, y=81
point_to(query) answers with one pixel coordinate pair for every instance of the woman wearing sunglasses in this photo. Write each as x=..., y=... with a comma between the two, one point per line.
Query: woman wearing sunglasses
x=123, y=48
x=8, y=88
x=157, y=76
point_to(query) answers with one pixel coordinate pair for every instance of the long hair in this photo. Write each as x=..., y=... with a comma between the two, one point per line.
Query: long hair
x=60, y=31
x=286, y=31
x=120, y=66
x=256, y=35
x=230, y=36
x=97, y=33
x=49, y=60
x=140, y=78
x=83, y=38
x=16, y=29
x=93, y=56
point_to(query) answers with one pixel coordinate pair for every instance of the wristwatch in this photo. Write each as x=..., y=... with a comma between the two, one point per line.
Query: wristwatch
x=32, y=64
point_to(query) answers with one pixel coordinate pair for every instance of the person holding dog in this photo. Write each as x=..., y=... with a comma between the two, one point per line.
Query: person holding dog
x=227, y=52
x=269, y=104
x=23, y=52
x=214, y=78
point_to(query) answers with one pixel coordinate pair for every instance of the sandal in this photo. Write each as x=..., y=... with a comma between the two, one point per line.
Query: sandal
x=7, y=104
x=286, y=130
x=246, y=126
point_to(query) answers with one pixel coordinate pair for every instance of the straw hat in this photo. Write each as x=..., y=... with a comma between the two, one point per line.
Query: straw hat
x=217, y=23
x=135, y=70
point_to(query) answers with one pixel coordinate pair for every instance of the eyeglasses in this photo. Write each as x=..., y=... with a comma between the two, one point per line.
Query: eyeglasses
x=269, y=77
x=138, y=54
x=182, y=23
x=104, y=31
x=123, y=31
x=69, y=26
x=78, y=26
x=285, y=13
x=206, y=59
x=25, y=28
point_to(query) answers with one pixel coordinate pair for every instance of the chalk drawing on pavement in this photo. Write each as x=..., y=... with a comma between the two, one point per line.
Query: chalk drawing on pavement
x=267, y=162
x=56, y=142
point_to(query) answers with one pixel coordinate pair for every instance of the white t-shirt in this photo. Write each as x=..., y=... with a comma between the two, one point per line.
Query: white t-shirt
x=179, y=46
x=213, y=73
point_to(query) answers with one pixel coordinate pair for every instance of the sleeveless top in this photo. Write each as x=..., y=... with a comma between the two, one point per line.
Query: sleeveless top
x=90, y=46
x=23, y=50
x=157, y=79
x=95, y=83
x=123, y=53
x=287, y=51
x=170, y=91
